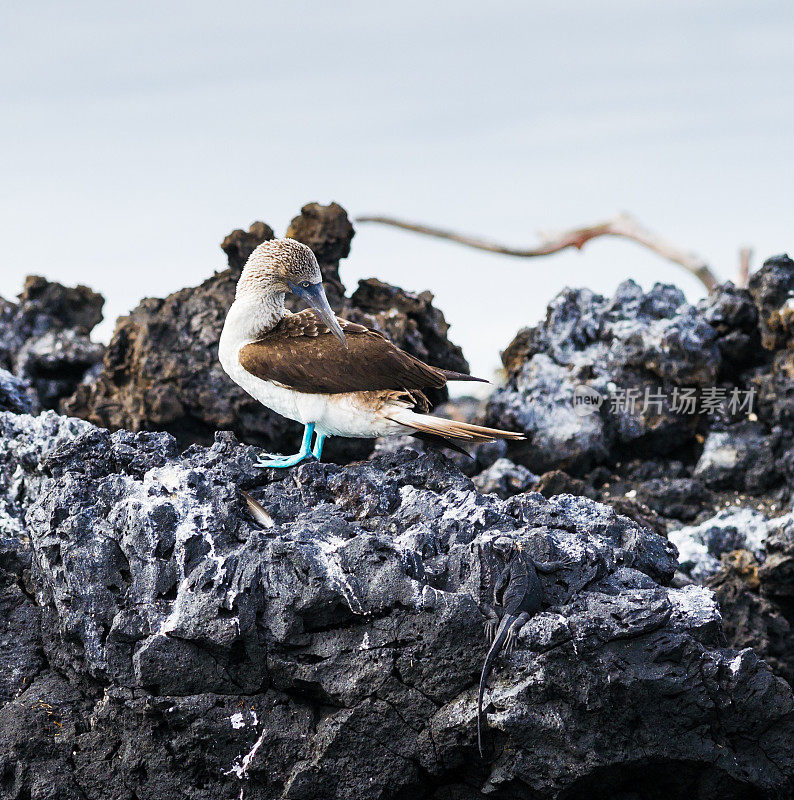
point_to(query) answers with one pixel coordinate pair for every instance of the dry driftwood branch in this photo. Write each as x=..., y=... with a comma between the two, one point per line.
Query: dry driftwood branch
x=745, y=257
x=622, y=225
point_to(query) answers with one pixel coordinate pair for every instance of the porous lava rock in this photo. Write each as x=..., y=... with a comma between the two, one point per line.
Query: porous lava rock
x=556, y=481
x=717, y=475
x=741, y=457
x=642, y=344
x=689, y=408
x=777, y=572
x=239, y=244
x=640, y=354
x=16, y=394
x=504, y=478
x=772, y=289
x=45, y=337
x=675, y=498
x=161, y=370
x=749, y=617
x=164, y=645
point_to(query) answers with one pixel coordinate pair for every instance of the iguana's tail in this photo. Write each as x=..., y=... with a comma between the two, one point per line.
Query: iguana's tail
x=493, y=652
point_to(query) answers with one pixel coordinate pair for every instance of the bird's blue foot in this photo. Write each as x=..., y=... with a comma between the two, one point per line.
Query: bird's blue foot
x=317, y=450
x=280, y=462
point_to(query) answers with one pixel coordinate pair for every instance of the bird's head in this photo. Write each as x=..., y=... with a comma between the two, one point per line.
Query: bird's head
x=282, y=266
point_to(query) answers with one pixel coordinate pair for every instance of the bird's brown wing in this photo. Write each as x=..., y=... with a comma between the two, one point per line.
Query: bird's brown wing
x=302, y=354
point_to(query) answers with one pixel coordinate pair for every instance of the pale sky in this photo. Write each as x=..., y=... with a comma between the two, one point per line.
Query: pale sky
x=135, y=136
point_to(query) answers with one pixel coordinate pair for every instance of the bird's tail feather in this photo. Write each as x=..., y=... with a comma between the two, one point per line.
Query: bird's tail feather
x=448, y=428
x=257, y=510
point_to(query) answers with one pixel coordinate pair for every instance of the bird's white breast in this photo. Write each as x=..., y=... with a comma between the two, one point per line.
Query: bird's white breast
x=235, y=335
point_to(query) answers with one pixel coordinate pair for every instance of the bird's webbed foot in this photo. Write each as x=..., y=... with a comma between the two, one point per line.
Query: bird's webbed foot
x=279, y=462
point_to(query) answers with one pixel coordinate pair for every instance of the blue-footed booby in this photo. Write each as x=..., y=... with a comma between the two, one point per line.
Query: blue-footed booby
x=334, y=376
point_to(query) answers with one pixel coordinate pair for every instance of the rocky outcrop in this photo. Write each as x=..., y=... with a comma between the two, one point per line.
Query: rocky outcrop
x=635, y=341
x=755, y=592
x=45, y=338
x=681, y=406
x=161, y=370
x=603, y=377
x=742, y=457
x=701, y=547
x=16, y=394
x=749, y=617
x=679, y=415
x=777, y=572
x=239, y=244
x=159, y=643
x=772, y=289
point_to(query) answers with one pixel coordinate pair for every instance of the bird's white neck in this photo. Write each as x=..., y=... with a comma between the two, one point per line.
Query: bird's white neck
x=253, y=314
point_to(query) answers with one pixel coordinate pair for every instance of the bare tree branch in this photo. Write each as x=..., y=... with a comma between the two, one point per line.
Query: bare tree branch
x=622, y=225
x=745, y=256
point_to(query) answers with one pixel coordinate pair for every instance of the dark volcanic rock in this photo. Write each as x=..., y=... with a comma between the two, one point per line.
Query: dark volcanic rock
x=161, y=370
x=741, y=457
x=504, y=478
x=677, y=498
x=723, y=462
x=637, y=357
x=23, y=441
x=45, y=305
x=730, y=311
x=56, y=362
x=772, y=288
x=16, y=394
x=679, y=404
x=630, y=346
x=640, y=513
x=155, y=642
x=750, y=619
x=702, y=546
x=44, y=338
x=239, y=244
x=187, y=653
x=558, y=482
x=777, y=572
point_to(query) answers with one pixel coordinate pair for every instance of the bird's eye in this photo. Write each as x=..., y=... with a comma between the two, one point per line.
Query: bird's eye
x=305, y=284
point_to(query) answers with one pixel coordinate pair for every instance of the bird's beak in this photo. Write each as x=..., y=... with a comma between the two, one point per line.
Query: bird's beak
x=315, y=297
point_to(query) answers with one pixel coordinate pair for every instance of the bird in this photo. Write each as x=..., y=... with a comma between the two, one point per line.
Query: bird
x=336, y=377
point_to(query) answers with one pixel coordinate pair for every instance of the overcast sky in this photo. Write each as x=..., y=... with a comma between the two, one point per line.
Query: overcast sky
x=136, y=135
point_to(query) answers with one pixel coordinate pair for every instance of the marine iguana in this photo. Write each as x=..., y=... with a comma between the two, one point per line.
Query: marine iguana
x=517, y=596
